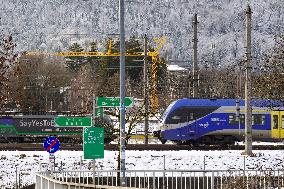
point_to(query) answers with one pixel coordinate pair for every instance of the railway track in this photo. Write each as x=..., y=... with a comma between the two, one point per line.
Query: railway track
x=141, y=147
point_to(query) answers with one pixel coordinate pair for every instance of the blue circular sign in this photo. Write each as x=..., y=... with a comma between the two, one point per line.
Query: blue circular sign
x=51, y=144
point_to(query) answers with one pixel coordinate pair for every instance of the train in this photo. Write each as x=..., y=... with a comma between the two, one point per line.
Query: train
x=220, y=121
x=21, y=128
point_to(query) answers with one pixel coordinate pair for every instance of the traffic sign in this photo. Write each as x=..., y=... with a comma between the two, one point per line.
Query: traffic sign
x=51, y=157
x=99, y=111
x=93, y=142
x=51, y=144
x=73, y=121
x=113, y=101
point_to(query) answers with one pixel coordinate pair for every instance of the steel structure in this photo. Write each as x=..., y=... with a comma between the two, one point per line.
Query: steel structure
x=154, y=66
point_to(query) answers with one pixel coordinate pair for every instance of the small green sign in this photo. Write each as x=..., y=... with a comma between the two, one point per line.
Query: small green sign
x=99, y=111
x=93, y=143
x=73, y=121
x=113, y=101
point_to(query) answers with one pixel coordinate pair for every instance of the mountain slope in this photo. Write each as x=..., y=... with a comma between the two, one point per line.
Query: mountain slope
x=45, y=25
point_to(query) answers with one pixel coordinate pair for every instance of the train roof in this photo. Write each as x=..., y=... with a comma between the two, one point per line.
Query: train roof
x=226, y=102
x=221, y=102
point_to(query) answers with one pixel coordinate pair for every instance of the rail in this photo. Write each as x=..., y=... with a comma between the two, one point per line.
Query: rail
x=163, y=179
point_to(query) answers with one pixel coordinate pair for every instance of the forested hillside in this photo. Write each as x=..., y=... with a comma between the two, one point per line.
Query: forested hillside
x=46, y=25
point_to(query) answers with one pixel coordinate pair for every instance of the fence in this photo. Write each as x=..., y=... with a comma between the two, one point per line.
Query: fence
x=169, y=179
x=24, y=174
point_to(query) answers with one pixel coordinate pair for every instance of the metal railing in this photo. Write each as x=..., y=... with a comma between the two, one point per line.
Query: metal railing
x=166, y=179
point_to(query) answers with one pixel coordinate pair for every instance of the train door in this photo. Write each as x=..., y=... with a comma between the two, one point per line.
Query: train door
x=281, y=125
x=192, y=127
x=277, y=124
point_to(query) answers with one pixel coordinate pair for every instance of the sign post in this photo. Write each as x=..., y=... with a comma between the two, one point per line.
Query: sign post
x=94, y=122
x=93, y=146
x=51, y=145
x=120, y=102
x=52, y=162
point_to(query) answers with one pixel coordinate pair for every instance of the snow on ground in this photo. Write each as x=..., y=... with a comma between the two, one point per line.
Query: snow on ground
x=30, y=162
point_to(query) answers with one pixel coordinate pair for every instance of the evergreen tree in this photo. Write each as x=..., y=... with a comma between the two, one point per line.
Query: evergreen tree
x=74, y=62
x=134, y=65
x=97, y=65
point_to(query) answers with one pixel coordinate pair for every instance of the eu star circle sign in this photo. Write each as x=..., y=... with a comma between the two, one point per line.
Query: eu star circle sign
x=51, y=144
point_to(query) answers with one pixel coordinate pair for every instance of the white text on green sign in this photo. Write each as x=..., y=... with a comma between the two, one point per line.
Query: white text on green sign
x=99, y=111
x=113, y=101
x=93, y=145
x=73, y=121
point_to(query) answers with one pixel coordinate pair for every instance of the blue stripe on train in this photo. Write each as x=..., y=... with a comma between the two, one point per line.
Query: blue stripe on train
x=226, y=102
x=207, y=124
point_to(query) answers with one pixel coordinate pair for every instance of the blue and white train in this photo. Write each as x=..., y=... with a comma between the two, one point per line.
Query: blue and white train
x=220, y=121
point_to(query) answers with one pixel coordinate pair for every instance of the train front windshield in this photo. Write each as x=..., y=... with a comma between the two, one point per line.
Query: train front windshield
x=186, y=114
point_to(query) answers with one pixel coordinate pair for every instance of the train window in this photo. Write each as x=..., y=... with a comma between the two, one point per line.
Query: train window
x=242, y=119
x=176, y=117
x=191, y=117
x=258, y=119
x=262, y=119
x=275, y=121
x=282, y=121
x=232, y=119
x=186, y=114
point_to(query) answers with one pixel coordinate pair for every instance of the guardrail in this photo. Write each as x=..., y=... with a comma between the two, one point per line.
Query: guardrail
x=163, y=179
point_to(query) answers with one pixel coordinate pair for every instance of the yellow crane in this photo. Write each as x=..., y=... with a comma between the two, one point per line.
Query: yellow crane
x=154, y=102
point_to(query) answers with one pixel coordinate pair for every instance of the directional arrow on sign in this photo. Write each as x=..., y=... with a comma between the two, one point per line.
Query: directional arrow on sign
x=113, y=101
x=73, y=121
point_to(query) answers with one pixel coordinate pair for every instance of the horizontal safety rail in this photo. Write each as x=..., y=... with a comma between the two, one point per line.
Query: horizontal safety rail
x=167, y=179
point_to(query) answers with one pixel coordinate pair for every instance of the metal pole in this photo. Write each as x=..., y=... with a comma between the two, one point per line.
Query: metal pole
x=248, y=117
x=51, y=161
x=122, y=93
x=204, y=161
x=146, y=122
x=81, y=160
x=164, y=172
x=238, y=115
x=195, y=66
x=16, y=177
x=94, y=172
x=244, y=163
x=20, y=178
x=94, y=124
x=164, y=162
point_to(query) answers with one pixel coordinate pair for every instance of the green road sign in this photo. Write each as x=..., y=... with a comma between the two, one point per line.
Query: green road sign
x=113, y=101
x=73, y=121
x=99, y=111
x=93, y=142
